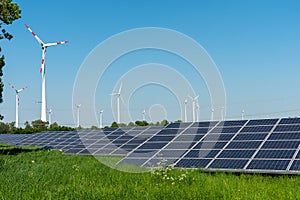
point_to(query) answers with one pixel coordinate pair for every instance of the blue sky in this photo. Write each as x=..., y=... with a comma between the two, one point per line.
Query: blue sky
x=254, y=44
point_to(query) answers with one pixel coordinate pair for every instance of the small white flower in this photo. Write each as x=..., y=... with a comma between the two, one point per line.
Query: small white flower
x=33, y=161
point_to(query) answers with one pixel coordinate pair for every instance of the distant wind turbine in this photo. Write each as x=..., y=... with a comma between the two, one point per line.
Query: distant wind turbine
x=118, y=95
x=144, y=115
x=185, y=111
x=42, y=70
x=100, y=119
x=78, y=113
x=17, y=102
x=194, y=100
x=197, y=111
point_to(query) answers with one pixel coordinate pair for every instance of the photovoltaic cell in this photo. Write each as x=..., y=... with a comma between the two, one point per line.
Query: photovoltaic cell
x=275, y=154
x=193, y=163
x=228, y=164
x=268, y=164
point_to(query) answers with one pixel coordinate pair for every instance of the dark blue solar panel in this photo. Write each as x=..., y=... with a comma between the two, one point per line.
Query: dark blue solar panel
x=296, y=165
x=129, y=146
x=169, y=131
x=178, y=125
x=233, y=123
x=137, y=141
x=251, y=129
x=228, y=164
x=298, y=156
x=290, y=121
x=193, y=163
x=195, y=131
x=244, y=145
x=171, y=153
x=275, y=154
x=202, y=154
x=220, y=137
x=180, y=145
x=204, y=124
x=225, y=129
x=210, y=145
x=245, y=136
x=189, y=137
x=153, y=145
x=161, y=138
x=268, y=164
x=285, y=136
x=262, y=122
x=281, y=144
x=287, y=128
x=236, y=154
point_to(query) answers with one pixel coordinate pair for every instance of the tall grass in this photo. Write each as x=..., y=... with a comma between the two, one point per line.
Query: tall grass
x=50, y=175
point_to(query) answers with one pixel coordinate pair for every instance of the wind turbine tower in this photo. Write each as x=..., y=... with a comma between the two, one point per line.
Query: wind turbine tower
x=118, y=95
x=49, y=116
x=78, y=117
x=144, y=115
x=194, y=100
x=185, y=111
x=100, y=119
x=42, y=70
x=17, y=102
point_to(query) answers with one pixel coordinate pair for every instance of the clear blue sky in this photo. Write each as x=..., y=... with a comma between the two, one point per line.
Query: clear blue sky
x=255, y=45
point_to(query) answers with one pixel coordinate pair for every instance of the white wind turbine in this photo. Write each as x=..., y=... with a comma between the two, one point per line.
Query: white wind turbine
x=78, y=113
x=144, y=115
x=100, y=119
x=17, y=102
x=194, y=101
x=49, y=116
x=118, y=95
x=197, y=111
x=42, y=70
x=185, y=111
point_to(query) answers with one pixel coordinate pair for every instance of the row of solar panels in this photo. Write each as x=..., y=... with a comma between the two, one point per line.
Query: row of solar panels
x=263, y=145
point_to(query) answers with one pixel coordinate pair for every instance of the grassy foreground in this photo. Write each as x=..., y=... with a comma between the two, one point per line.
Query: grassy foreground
x=51, y=175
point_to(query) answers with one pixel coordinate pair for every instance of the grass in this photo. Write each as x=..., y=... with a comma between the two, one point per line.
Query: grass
x=51, y=175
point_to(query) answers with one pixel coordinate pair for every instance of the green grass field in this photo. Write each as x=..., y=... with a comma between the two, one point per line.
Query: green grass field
x=51, y=175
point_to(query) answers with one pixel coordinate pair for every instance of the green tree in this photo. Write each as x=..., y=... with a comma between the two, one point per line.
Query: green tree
x=39, y=125
x=114, y=125
x=9, y=12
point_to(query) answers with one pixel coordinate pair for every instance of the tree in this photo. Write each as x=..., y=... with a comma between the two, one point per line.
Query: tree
x=9, y=12
x=114, y=125
x=40, y=125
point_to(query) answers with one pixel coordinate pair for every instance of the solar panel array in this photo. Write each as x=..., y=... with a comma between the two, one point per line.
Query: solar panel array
x=261, y=145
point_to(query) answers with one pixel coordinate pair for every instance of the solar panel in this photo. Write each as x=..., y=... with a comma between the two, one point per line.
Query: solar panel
x=268, y=145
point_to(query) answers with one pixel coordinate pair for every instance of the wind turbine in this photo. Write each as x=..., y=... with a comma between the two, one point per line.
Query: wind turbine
x=49, y=115
x=100, y=119
x=78, y=111
x=197, y=111
x=144, y=115
x=185, y=112
x=194, y=100
x=42, y=69
x=17, y=102
x=243, y=112
x=118, y=95
x=212, y=113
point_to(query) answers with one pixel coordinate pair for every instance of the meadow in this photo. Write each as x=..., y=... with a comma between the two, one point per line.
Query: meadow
x=43, y=174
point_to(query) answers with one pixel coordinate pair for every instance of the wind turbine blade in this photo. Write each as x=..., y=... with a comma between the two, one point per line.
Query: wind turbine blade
x=122, y=100
x=12, y=87
x=34, y=35
x=191, y=97
x=20, y=90
x=56, y=43
x=196, y=97
x=120, y=89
